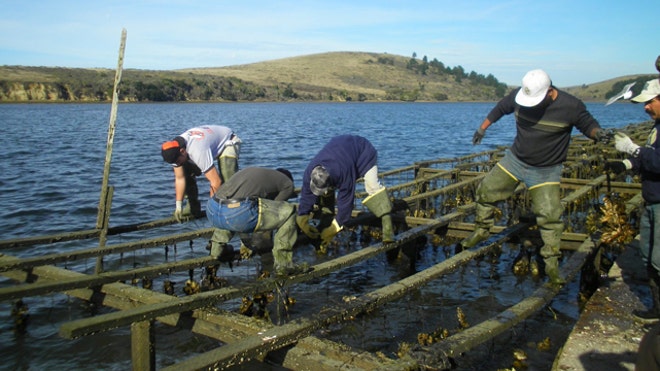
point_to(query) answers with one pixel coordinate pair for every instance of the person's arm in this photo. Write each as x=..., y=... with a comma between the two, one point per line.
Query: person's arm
x=179, y=183
x=481, y=132
x=214, y=178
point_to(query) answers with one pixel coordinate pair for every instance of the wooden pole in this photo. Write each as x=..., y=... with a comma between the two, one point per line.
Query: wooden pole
x=104, y=214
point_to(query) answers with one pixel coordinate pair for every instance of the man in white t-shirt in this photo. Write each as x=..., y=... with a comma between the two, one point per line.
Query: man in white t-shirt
x=192, y=154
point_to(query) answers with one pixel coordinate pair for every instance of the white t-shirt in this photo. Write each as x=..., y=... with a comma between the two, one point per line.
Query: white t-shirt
x=205, y=143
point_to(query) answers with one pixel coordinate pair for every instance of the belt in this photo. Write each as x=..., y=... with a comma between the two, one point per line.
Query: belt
x=229, y=201
x=235, y=202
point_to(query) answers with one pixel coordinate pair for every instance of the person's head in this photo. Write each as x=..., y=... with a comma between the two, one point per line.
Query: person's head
x=319, y=184
x=174, y=151
x=536, y=87
x=650, y=96
x=285, y=172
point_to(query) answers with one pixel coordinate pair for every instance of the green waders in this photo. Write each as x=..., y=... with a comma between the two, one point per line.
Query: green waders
x=546, y=205
x=380, y=205
x=220, y=248
x=228, y=167
x=495, y=187
x=280, y=216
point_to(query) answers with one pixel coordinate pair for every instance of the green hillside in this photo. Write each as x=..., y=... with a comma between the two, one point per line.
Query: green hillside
x=334, y=76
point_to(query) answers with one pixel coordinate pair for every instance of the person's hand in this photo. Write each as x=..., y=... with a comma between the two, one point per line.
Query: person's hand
x=624, y=144
x=616, y=167
x=329, y=232
x=478, y=136
x=308, y=229
x=178, y=211
x=605, y=135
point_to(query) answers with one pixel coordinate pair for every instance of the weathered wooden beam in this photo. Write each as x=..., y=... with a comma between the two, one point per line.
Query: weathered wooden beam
x=41, y=288
x=87, y=234
x=143, y=351
x=112, y=249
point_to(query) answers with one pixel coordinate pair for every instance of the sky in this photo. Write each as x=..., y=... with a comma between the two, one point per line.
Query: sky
x=576, y=42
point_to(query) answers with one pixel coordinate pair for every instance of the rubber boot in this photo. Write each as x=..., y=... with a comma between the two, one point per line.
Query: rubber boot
x=228, y=167
x=223, y=252
x=552, y=271
x=220, y=249
x=495, y=187
x=380, y=205
x=546, y=205
x=652, y=313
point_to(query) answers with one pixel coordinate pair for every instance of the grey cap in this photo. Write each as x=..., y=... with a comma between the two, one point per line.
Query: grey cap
x=319, y=182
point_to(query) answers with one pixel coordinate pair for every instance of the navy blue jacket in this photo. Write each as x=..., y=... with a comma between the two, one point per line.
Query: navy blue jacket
x=648, y=164
x=346, y=158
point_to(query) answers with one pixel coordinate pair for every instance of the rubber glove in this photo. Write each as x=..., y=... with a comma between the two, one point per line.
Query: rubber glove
x=618, y=167
x=178, y=211
x=308, y=229
x=624, y=144
x=605, y=135
x=329, y=232
x=478, y=136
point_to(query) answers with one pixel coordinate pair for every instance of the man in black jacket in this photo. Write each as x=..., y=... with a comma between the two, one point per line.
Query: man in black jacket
x=545, y=117
x=646, y=160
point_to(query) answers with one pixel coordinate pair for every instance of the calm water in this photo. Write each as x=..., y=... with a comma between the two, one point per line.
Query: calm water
x=53, y=168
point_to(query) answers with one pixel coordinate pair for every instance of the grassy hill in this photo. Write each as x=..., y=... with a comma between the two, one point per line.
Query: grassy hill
x=334, y=76
x=376, y=76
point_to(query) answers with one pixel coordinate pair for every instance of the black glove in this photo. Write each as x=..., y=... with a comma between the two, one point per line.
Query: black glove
x=616, y=167
x=478, y=136
x=605, y=135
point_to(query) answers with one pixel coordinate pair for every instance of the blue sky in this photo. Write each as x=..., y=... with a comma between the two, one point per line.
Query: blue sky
x=576, y=42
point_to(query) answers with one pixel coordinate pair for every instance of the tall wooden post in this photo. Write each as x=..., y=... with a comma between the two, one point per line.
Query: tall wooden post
x=106, y=194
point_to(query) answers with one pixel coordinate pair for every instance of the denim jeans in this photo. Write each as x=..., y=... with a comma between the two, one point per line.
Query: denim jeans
x=649, y=224
x=242, y=218
x=531, y=176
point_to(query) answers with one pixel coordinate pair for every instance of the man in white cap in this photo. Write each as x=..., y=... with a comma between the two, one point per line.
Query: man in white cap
x=646, y=160
x=545, y=117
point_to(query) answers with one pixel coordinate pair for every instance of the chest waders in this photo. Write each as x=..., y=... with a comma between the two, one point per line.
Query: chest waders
x=546, y=205
x=380, y=205
x=495, y=187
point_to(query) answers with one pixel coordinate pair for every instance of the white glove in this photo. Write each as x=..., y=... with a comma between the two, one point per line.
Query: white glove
x=624, y=144
x=178, y=211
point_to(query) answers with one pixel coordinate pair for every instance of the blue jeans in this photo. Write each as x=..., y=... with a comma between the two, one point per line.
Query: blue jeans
x=241, y=218
x=531, y=176
x=649, y=224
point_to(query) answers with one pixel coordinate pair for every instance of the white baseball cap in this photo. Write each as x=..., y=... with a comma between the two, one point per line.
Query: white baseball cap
x=650, y=90
x=535, y=85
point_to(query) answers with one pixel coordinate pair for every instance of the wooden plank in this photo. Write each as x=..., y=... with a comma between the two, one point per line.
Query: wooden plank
x=143, y=352
x=112, y=249
x=41, y=288
x=87, y=234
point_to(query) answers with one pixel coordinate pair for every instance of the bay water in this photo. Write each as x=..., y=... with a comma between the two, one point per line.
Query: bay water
x=52, y=171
